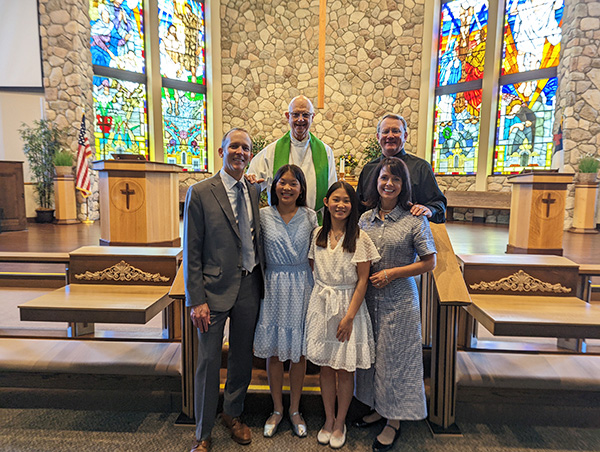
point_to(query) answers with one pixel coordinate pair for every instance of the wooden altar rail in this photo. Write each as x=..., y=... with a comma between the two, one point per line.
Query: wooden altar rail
x=448, y=293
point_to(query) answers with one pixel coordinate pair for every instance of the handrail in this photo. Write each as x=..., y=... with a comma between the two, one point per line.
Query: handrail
x=34, y=257
x=448, y=279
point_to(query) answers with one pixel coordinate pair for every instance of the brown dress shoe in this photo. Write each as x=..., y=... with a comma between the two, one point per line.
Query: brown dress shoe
x=240, y=432
x=202, y=446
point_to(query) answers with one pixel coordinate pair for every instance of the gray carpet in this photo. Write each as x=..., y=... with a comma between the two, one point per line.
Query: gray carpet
x=45, y=430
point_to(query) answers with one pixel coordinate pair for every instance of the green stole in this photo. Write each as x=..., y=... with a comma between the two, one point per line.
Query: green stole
x=320, y=162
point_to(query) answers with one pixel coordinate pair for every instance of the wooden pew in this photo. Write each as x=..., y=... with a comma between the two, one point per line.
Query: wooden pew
x=476, y=200
x=29, y=257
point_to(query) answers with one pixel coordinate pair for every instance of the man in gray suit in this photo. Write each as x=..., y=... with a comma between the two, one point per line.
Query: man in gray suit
x=223, y=259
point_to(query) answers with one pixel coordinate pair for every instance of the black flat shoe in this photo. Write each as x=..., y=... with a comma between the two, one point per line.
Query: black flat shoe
x=361, y=423
x=378, y=447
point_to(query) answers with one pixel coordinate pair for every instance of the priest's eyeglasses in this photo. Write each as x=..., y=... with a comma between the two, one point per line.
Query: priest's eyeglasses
x=297, y=115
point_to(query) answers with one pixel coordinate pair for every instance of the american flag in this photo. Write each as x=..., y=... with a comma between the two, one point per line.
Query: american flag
x=83, y=153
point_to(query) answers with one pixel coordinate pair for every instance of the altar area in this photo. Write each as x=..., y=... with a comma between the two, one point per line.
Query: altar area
x=143, y=351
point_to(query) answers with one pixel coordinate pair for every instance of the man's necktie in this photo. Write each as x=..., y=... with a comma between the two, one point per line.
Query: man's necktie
x=248, y=258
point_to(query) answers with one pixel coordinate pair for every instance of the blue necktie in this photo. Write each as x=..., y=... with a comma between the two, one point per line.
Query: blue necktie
x=248, y=259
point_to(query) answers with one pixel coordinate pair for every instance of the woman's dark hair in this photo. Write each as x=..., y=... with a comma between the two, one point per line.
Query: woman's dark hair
x=298, y=175
x=398, y=168
x=352, y=229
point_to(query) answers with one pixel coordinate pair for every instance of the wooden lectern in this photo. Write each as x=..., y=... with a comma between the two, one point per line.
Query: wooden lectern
x=64, y=200
x=139, y=203
x=537, y=212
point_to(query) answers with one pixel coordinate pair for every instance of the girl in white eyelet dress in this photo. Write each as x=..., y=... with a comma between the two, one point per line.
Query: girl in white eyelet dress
x=339, y=335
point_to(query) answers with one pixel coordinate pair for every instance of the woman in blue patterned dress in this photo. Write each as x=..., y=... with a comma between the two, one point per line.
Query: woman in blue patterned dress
x=286, y=230
x=393, y=387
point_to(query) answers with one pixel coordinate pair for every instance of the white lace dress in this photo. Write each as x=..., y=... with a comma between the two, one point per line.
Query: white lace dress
x=336, y=276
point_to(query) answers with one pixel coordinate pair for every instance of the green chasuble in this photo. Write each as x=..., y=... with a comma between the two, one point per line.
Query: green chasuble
x=319, y=158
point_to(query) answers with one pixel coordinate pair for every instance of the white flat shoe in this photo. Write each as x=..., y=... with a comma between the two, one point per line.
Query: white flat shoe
x=271, y=429
x=323, y=437
x=335, y=442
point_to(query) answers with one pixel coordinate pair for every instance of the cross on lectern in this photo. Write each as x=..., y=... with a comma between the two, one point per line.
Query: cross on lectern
x=127, y=193
x=548, y=200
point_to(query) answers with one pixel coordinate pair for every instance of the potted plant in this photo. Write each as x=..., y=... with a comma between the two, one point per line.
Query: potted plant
x=40, y=144
x=588, y=169
x=63, y=163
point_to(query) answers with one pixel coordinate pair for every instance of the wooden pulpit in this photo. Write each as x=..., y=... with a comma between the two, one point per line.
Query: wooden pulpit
x=537, y=213
x=139, y=203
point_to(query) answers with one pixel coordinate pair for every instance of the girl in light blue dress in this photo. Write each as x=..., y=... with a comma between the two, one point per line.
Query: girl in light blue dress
x=286, y=228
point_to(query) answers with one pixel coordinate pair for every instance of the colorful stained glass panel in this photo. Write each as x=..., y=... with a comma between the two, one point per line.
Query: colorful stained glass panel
x=181, y=37
x=456, y=133
x=117, y=34
x=120, y=117
x=184, y=117
x=463, y=33
x=525, y=121
x=532, y=34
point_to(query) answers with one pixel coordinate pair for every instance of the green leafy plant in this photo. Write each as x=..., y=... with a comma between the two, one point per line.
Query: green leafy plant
x=40, y=144
x=589, y=163
x=258, y=144
x=63, y=158
x=372, y=150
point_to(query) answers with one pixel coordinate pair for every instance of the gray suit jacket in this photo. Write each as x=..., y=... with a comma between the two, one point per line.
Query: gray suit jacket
x=212, y=258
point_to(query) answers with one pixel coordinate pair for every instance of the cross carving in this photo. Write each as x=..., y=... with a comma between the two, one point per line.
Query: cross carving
x=548, y=200
x=127, y=193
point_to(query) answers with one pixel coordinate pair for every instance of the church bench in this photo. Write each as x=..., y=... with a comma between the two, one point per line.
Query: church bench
x=106, y=375
x=34, y=257
x=545, y=389
x=586, y=272
x=476, y=200
x=29, y=257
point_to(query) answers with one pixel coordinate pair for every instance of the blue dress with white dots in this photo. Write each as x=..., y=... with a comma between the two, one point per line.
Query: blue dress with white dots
x=288, y=283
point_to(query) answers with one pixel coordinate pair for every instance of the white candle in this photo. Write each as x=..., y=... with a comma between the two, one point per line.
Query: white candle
x=342, y=165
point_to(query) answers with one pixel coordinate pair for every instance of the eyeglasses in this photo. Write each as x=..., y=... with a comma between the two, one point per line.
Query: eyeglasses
x=392, y=131
x=297, y=115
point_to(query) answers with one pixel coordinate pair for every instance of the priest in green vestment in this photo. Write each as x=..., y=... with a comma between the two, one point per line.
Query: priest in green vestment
x=302, y=148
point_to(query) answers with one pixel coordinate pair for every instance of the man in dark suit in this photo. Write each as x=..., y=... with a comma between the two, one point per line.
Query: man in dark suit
x=223, y=259
x=427, y=198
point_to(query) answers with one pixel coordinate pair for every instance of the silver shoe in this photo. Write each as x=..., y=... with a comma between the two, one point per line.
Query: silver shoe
x=271, y=429
x=299, y=428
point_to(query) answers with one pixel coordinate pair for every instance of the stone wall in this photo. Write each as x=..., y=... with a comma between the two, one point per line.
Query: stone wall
x=67, y=66
x=578, y=96
x=373, y=51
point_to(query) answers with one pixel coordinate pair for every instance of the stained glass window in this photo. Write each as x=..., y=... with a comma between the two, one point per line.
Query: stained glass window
x=117, y=34
x=181, y=35
x=120, y=117
x=184, y=115
x=456, y=133
x=532, y=34
x=525, y=120
x=463, y=32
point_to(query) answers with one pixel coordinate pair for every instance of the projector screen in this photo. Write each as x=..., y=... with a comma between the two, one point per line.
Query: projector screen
x=20, y=56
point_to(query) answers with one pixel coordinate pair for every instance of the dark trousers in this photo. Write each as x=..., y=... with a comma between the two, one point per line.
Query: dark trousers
x=242, y=322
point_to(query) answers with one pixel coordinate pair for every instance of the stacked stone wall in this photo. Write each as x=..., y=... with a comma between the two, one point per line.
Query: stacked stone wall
x=578, y=96
x=68, y=76
x=373, y=66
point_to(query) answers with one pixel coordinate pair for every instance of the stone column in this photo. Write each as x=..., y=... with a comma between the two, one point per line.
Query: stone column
x=578, y=96
x=68, y=75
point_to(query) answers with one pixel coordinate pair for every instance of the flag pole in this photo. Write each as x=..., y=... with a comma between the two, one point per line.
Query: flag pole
x=87, y=212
